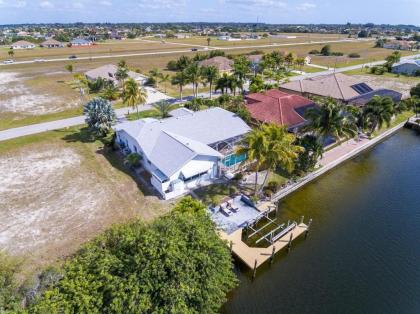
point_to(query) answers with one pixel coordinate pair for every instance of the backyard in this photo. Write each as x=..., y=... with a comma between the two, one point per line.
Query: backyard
x=60, y=189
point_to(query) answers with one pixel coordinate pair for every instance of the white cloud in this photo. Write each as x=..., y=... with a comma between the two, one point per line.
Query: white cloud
x=306, y=6
x=260, y=4
x=106, y=3
x=162, y=4
x=12, y=4
x=46, y=4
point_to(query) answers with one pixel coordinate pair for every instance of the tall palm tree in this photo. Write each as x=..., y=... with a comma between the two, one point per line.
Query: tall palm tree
x=254, y=146
x=11, y=53
x=155, y=74
x=232, y=84
x=134, y=95
x=208, y=41
x=121, y=75
x=181, y=80
x=210, y=74
x=165, y=78
x=194, y=75
x=379, y=111
x=281, y=150
x=329, y=119
x=241, y=69
x=223, y=83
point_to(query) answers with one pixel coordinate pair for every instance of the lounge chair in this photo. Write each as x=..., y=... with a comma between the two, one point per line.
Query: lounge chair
x=225, y=210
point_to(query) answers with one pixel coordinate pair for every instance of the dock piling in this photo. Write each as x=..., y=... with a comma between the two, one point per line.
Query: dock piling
x=255, y=270
x=307, y=229
x=289, y=245
x=272, y=254
x=301, y=219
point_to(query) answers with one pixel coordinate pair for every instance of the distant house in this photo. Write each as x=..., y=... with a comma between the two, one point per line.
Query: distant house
x=342, y=87
x=182, y=36
x=399, y=45
x=228, y=38
x=108, y=72
x=185, y=151
x=223, y=64
x=409, y=67
x=52, y=43
x=274, y=106
x=23, y=44
x=283, y=36
x=80, y=42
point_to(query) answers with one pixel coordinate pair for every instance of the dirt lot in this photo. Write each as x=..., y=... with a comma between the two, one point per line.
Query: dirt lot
x=59, y=190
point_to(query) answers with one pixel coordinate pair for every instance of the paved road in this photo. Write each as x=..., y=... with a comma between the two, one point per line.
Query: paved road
x=125, y=55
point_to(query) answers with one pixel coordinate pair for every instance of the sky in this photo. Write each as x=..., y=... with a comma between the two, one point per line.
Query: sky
x=266, y=11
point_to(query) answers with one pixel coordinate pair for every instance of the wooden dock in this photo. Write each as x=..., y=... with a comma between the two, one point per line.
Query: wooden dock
x=254, y=257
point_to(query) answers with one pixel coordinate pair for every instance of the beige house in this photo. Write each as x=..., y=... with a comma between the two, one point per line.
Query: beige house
x=108, y=72
x=23, y=44
x=52, y=43
x=223, y=64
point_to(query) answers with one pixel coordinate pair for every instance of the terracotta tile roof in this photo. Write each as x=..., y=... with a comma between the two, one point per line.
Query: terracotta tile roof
x=278, y=107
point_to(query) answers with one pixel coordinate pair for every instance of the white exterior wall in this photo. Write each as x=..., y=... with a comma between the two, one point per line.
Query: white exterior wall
x=209, y=162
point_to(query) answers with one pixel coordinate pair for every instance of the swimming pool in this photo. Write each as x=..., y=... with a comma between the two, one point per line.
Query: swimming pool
x=234, y=159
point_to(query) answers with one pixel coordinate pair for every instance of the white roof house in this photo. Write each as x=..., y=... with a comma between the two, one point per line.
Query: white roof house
x=409, y=67
x=23, y=44
x=108, y=72
x=182, y=152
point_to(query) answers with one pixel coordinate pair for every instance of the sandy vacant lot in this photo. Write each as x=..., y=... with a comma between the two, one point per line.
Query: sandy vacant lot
x=56, y=195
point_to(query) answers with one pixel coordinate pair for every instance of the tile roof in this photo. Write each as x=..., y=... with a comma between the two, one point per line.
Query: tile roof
x=108, y=72
x=278, y=107
x=337, y=85
x=222, y=63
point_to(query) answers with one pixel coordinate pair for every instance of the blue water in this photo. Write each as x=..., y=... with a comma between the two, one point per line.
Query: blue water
x=234, y=159
x=363, y=252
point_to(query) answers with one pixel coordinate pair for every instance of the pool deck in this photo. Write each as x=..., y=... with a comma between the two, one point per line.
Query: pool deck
x=254, y=257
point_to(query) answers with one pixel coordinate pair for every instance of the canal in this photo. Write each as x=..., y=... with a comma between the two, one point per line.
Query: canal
x=363, y=252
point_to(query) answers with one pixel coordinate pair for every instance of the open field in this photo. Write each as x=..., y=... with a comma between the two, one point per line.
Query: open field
x=101, y=48
x=40, y=92
x=396, y=82
x=58, y=190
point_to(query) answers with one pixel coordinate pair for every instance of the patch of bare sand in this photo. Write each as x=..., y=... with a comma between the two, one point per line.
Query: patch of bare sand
x=51, y=203
x=400, y=85
x=16, y=97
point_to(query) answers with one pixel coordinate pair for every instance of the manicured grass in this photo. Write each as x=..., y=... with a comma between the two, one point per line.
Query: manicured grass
x=214, y=194
x=404, y=116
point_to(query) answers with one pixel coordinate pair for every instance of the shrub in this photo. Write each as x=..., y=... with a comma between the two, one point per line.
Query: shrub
x=133, y=160
x=337, y=54
x=314, y=52
x=354, y=55
x=100, y=116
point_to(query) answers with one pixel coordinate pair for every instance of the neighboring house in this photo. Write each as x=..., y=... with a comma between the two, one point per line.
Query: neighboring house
x=23, y=44
x=283, y=36
x=223, y=64
x=108, y=72
x=228, y=38
x=185, y=151
x=80, y=42
x=341, y=87
x=409, y=67
x=52, y=43
x=182, y=36
x=399, y=45
x=274, y=106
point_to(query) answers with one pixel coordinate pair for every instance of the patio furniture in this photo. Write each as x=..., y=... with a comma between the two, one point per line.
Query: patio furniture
x=225, y=210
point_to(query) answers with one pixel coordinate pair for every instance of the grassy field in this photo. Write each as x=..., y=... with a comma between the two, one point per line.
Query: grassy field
x=38, y=92
x=102, y=48
x=60, y=189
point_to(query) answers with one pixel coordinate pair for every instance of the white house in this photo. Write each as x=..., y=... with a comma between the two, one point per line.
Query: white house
x=23, y=44
x=409, y=67
x=80, y=42
x=186, y=150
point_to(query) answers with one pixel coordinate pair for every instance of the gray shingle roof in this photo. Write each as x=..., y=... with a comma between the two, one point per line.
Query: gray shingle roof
x=171, y=142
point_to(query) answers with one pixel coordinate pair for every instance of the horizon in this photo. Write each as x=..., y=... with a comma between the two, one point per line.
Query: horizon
x=21, y=12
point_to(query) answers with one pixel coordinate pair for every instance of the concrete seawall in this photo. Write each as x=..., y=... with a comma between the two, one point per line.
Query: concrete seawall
x=317, y=173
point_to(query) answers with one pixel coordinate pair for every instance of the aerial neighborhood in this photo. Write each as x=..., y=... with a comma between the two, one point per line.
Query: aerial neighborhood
x=176, y=167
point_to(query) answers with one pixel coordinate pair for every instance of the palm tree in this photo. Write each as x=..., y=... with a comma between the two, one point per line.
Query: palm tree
x=208, y=41
x=163, y=107
x=122, y=64
x=122, y=74
x=110, y=92
x=413, y=103
x=379, y=111
x=164, y=78
x=11, y=53
x=194, y=75
x=233, y=83
x=181, y=80
x=183, y=62
x=289, y=59
x=329, y=119
x=281, y=150
x=222, y=83
x=155, y=74
x=211, y=74
x=254, y=146
x=241, y=69
x=134, y=95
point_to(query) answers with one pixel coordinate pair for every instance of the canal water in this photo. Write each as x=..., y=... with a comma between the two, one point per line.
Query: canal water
x=363, y=251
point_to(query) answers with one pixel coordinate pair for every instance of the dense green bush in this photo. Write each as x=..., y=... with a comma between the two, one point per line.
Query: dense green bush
x=176, y=264
x=354, y=55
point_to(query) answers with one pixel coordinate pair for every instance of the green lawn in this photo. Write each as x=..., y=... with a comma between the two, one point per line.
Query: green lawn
x=214, y=194
x=404, y=116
